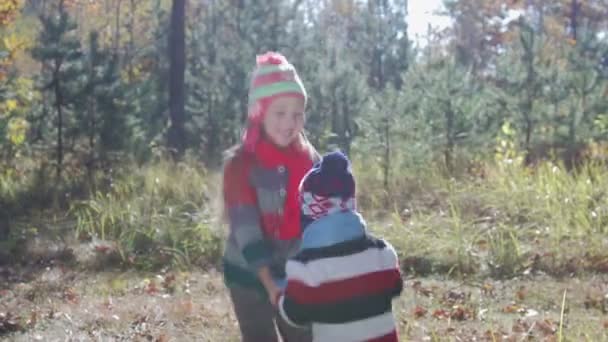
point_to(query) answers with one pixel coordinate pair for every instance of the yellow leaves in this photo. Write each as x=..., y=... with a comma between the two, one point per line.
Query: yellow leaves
x=8, y=10
x=15, y=42
x=12, y=110
x=506, y=151
x=9, y=42
x=10, y=105
x=16, y=130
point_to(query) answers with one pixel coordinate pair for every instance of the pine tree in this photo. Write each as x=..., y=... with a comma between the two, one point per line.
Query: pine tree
x=453, y=104
x=145, y=93
x=100, y=104
x=58, y=49
x=177, y=59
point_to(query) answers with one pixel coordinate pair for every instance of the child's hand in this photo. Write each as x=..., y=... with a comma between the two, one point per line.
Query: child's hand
x=274, y=293
x=273, y=290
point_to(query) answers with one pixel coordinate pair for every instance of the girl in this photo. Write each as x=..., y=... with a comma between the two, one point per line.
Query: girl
x=261, y=179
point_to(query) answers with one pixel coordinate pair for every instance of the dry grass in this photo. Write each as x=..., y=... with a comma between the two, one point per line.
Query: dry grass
x=82, y=306
x=62, y=304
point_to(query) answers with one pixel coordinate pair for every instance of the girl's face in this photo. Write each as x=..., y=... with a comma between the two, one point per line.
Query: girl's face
x=284, y=120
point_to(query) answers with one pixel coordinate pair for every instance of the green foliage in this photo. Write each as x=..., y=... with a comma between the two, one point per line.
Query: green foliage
x=514, y=221
x=159, y=215
x=449, y=141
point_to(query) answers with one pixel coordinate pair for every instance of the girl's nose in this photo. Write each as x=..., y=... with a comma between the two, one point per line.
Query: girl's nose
x=293, y=120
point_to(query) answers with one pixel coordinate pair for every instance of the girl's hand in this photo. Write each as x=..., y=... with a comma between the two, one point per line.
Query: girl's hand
x=273, y=295
x=274, y=292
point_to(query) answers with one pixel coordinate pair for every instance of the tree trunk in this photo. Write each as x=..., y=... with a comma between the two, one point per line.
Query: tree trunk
x=90, y=105
x=177, y=67
x=530, y=92
x=347, y=136
x=449, y=137
x=131, y=46
x=573, y=17
x=116, y=42
x=59, y=108
x=274, y=44
x=387, y=152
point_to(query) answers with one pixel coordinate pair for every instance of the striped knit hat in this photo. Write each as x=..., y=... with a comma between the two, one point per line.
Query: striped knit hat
x=273, y=76
x=327, y=188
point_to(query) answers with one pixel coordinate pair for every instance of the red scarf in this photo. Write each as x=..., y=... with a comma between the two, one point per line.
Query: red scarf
x=297, y=161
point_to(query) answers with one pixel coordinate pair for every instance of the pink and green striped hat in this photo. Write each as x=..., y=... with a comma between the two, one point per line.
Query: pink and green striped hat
x=273, y=77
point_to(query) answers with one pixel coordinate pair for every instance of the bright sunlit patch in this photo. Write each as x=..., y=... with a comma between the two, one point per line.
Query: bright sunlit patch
x=421, y=14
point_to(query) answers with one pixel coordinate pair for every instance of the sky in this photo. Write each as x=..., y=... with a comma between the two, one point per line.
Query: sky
x=421, y=14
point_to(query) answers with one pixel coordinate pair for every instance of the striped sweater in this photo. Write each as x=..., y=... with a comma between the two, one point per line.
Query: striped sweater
x=342, y=282
x=254, y=199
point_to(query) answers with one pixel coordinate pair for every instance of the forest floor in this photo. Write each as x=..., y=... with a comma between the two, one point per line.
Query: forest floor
x=60, y=292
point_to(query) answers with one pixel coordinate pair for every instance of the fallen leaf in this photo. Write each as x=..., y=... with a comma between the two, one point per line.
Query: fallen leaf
x=460, y=313
x=440, y=313
x=521, y=293
x=521, y=326
x=453, y=297
x=419, y=312
x=512, y=308
x=418, y=288
x=169, y=283
x=70, y=295
x=184, y=307
x=487, y=290
x=492, y=335
x=140, y=319
x=151, y=288
x=546, y=327
x=162, y=338
x=104, y=249
x=599, y=264
x=595, y=299
x=33, y=319
x=482, y=245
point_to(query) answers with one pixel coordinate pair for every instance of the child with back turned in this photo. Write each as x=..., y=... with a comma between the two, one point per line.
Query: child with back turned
x=343, y=280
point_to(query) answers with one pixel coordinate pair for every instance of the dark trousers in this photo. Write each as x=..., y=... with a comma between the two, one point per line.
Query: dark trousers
x=259, y=320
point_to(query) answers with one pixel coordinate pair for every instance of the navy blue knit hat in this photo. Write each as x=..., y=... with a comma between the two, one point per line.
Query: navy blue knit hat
x=328, y=187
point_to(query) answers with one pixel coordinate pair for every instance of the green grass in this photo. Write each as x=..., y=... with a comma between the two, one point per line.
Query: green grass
x=502, y=221
x=512, y=220
x=161, y=214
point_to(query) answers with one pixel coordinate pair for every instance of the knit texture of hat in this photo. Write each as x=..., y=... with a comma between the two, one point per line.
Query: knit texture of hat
x=273, y=77
x=328, y=187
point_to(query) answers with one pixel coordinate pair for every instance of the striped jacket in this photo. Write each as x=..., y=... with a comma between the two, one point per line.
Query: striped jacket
x=254, y=199
x=342, y=282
